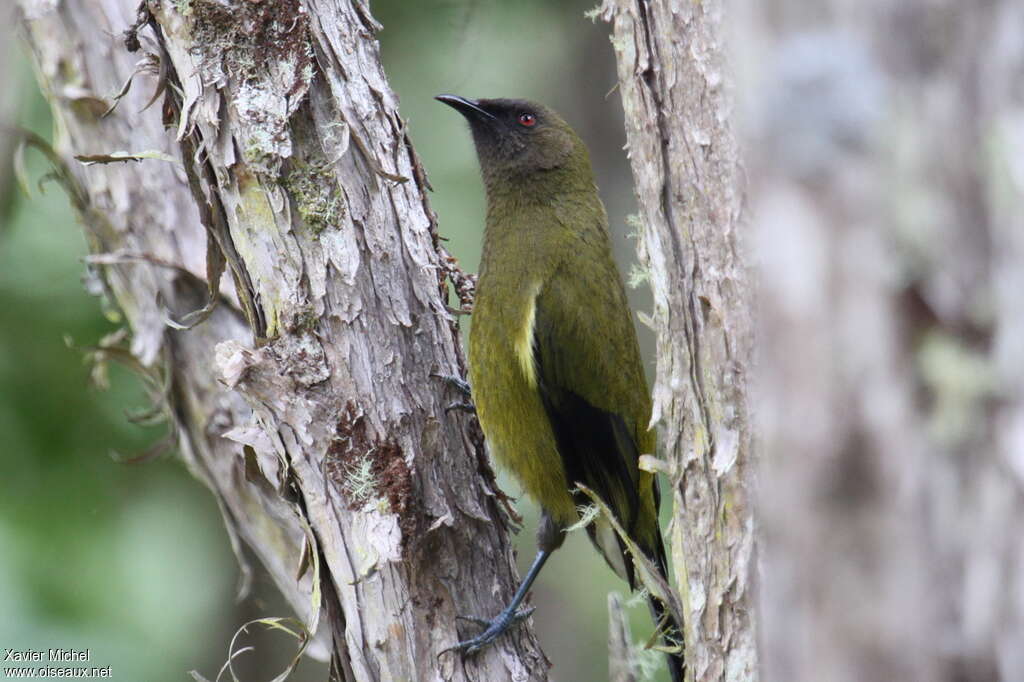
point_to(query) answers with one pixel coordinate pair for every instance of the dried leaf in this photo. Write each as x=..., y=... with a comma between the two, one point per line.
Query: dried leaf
x=20, y=171
x=216, y=263
x=298, y=631
x=645, y=570
x=315, y=598
x=120, y=157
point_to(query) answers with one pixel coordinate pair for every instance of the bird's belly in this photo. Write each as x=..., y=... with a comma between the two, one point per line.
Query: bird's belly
x=512, y=416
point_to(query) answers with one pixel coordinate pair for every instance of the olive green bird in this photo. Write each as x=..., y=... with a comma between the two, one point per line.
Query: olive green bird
x=554, y=364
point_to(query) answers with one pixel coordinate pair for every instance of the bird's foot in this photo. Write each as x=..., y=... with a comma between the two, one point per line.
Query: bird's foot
x=460, y=385
x=492, y=629
x=461, y=406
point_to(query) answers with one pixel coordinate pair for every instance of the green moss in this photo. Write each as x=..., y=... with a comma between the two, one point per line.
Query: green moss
x=251, y=36
x=316, y=194
x=304, y=320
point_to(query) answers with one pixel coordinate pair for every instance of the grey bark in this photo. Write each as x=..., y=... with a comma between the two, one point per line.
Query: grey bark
x=305, y=402
x=885, y=141
x=686, y=166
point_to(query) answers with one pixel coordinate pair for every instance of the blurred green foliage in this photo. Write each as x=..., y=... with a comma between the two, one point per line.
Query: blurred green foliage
x=126, y=560
x=132, y=560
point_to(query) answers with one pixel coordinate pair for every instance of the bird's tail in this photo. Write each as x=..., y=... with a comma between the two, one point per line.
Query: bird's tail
x=672, y=631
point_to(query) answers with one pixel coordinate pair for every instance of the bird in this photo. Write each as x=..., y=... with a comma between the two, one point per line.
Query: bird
x=554, y=363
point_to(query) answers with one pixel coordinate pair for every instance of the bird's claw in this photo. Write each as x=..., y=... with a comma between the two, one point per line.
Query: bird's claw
x=459, y=384
x=493, y=629
x=461, y=406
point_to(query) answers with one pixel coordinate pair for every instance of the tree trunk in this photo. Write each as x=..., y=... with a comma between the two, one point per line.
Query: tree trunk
x=885, y=144
x=305, y=402
x=688, y=180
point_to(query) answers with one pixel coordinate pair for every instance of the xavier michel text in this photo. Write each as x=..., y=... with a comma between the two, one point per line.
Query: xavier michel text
x=51, y=655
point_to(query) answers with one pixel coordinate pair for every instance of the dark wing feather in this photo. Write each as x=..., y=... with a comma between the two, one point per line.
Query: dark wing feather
x=597, y=446
x=594, y=446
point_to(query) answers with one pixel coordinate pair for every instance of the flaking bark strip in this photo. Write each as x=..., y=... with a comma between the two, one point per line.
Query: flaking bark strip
x=211, y=211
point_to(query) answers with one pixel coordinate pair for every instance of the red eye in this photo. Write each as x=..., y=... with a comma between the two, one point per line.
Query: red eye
x=528, y=120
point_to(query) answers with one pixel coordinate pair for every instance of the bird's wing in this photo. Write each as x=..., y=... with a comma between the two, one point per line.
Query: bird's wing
x=592, y=386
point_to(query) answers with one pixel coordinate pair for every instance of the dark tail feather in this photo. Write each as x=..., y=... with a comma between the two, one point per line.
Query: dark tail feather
x=673, y=632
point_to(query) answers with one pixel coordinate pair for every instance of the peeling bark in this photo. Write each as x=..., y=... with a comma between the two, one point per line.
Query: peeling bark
x=305, y=400
x=688, y=180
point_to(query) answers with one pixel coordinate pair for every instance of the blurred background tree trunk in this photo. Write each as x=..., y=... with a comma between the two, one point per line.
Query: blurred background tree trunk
x=273, y=150
x=686, y=166
x=885, y=142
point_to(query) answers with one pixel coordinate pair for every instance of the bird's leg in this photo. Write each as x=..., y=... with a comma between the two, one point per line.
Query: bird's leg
x=462, y=387
x=508, y=617
x=461, y=405
x=549, y=538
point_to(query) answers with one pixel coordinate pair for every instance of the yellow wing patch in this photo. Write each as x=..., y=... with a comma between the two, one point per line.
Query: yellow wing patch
x=524, y=339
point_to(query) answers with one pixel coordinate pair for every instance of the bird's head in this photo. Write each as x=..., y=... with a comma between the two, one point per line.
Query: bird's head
x=516, y=138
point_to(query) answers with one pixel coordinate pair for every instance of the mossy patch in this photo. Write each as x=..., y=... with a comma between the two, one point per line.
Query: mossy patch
x=314, y=188
x=252, y=35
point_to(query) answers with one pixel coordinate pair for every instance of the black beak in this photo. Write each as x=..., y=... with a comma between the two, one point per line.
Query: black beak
x=467, y=107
